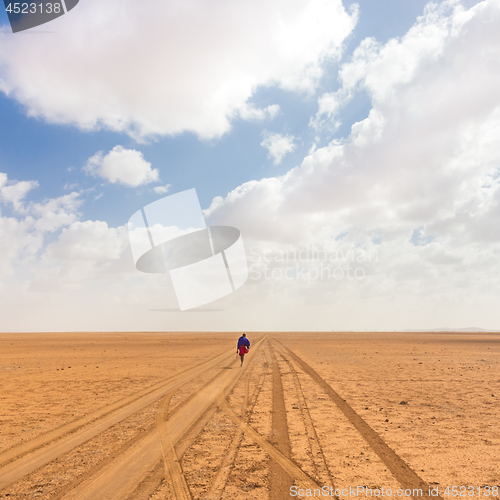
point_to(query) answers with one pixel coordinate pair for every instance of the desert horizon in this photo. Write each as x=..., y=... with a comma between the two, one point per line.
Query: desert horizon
x=322, y=176
x=173, y=415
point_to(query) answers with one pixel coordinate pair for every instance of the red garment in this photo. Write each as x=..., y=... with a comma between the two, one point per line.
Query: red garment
x=243, y=350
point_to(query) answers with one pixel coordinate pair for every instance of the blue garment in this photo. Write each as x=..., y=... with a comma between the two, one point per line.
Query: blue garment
x=243, y=341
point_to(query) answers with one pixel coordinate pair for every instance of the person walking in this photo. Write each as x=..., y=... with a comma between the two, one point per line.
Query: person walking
x=243, y=347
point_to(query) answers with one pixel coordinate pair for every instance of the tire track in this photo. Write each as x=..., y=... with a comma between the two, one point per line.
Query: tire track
x=217, y=488
x=120, y=478
x=172, y=467
x=173, y=471
x=291, y=468
x=155, y=478
x=123, y=449
x=401, y=471
x=61, y=492
x=64, y=440
x=18, y=451
x=148, y=487
x=280, y=480
x=153, y=482
x=319, y=461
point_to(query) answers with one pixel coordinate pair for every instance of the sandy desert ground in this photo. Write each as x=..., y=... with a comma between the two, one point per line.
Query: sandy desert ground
x=154, y=416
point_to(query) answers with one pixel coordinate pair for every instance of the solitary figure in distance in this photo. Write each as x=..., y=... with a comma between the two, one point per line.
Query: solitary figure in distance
x=243, y=347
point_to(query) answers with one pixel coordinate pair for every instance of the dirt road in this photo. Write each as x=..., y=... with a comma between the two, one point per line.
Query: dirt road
x=301, y=415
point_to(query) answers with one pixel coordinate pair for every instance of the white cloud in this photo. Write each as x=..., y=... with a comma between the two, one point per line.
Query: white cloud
x=17, y=241
x=22, y=237
x=425, y=159
x=278, y=146
x=424, y=162
x=54, y=213
x=250, y=113
x=173, y=66
x=15, y=192
x=88, y=241
x=381, y=68
x=125, y=166
x=329, y=106
x=162, y=189
x=75, y=282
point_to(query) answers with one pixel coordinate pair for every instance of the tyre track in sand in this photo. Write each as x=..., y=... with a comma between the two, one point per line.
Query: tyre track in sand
x=291, y=470
x=319, y=463
x=171, y=460
x=120, y=478
x=52, y=445
x=158, y=472
x=154, y=480
x=173, y=471
x=280, y=480
x=290, y=467
x=401, y=471
x=217, y=488
x=18, y=451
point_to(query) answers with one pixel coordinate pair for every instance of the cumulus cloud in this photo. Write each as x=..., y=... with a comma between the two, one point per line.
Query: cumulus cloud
x=278, y=146
x=425, y=161
x=87, y=240
x=380, y=69
x=162, y=189
x=416, y=185
x=329, y=107
x=170, y=67
x=80, y=280
x=15, y=192
x=123, y=166
x=22, y=236
x=250, y=113
x=55, y=213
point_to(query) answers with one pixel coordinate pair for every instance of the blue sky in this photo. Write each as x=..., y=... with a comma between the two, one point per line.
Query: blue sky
x=31, y=146
x=371, y=63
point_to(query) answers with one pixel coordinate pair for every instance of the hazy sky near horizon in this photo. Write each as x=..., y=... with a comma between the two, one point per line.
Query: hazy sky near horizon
x=356, y=145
